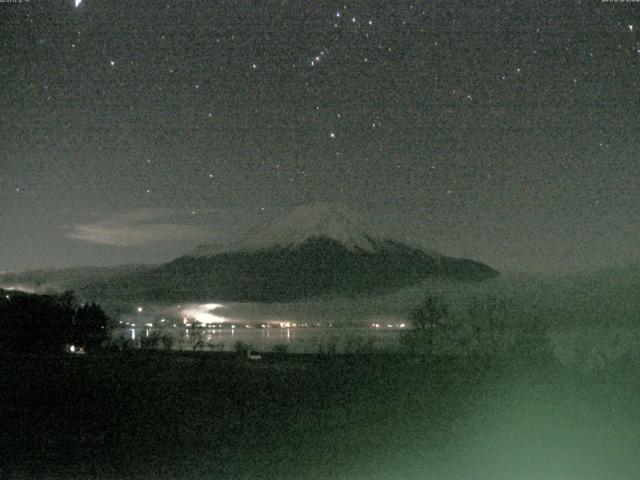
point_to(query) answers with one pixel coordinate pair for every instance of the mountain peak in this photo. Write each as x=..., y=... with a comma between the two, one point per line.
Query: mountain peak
x=318, y=219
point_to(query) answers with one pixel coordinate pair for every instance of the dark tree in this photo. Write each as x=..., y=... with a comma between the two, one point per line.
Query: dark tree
x=426, y=320
x=34, y=323
x=46, y=323
x=429, y=314
x=89, y=326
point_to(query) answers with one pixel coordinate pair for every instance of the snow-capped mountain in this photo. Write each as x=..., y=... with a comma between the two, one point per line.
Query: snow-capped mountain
x=327, y=220
x=314, y=220
x=315, y=250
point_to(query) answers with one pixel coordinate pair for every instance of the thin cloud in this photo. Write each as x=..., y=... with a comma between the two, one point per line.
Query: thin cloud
x=141, y=227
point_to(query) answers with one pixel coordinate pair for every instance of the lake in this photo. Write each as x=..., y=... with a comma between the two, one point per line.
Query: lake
x=296, y=339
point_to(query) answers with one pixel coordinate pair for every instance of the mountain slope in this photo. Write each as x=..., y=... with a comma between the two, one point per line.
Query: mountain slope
x=316, y=250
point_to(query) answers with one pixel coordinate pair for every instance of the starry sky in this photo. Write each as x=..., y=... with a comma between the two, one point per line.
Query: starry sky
x=504, y=131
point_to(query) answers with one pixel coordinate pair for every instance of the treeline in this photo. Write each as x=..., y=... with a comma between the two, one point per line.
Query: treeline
x=488, y=327
x=47, y=323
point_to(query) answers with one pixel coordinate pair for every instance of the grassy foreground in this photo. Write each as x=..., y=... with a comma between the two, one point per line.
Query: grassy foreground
x=185, y=415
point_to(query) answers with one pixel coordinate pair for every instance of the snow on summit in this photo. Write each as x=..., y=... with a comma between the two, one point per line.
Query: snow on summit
x=318, y=219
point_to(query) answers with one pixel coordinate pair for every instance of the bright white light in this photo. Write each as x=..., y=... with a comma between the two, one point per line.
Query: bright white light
x=78, y=2
x=203, y=313
x=139, y=309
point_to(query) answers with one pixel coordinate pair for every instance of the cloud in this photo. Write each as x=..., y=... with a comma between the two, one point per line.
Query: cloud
x=141, y=227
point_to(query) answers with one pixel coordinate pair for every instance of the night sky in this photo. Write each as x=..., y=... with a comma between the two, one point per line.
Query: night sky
x=506, y=131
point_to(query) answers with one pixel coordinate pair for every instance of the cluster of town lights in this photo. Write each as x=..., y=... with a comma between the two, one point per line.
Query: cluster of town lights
x=203, y=316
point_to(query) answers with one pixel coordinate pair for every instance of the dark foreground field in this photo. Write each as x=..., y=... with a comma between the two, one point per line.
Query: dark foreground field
x=156, y=416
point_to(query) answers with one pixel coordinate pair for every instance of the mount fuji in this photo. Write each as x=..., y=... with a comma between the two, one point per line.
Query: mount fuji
x=316, y=250
x=319, y=220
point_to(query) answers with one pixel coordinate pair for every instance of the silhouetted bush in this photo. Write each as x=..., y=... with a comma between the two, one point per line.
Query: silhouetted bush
x=151, y=341
x=198, y=345
x=167, y=341
x=242, y=348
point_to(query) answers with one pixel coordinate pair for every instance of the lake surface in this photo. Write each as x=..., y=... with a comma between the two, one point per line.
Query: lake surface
x=296, y=340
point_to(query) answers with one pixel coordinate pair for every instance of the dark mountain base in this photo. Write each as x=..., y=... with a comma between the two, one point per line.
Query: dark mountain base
x=315, y=268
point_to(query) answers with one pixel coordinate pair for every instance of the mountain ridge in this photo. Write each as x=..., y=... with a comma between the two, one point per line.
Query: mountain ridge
x=315, y=250
x=330, y=220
